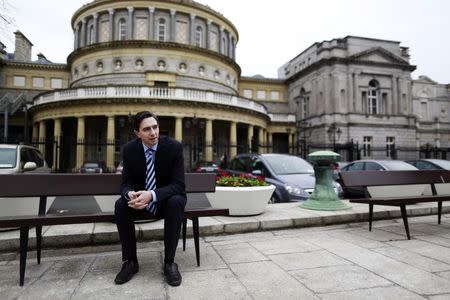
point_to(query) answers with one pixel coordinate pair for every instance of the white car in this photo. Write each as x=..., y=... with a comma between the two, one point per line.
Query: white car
x=21, y=159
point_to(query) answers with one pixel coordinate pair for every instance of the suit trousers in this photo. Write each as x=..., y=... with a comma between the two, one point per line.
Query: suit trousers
x=171, y=209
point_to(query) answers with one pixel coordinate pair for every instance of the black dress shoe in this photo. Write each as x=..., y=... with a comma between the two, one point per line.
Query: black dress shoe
x=173, y=277
x=129, y=268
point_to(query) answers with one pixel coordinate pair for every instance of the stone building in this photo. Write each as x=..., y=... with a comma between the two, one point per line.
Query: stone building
x=177, y=58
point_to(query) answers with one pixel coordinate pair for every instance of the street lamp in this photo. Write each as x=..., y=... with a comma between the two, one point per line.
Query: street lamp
x=303, y=126
x=334, y=133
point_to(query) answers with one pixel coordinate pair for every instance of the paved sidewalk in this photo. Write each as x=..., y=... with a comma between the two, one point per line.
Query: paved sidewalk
x=329, y=262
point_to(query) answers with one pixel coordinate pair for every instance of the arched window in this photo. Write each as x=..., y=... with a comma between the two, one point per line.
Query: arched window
x=372, y=98
x=162, y=30
x=122, y=29
x=199, y=36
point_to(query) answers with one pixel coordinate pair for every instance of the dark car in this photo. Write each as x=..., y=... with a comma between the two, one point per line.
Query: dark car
x=91, y=167
x=292, y=176
x=206, y=167
x=371, y=165
x=430, y=164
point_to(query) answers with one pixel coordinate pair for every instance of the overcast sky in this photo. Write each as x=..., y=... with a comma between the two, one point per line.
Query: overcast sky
x=272, y=32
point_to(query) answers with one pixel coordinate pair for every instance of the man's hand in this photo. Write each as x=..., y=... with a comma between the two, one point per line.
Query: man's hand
x=141, y=199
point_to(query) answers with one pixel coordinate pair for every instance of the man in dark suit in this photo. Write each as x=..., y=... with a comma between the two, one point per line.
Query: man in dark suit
x=152, y=182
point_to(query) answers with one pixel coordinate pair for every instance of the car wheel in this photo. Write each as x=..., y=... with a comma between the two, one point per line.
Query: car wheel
x=274, y=199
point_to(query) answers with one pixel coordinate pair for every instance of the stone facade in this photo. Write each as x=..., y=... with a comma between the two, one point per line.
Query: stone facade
x=177, y=58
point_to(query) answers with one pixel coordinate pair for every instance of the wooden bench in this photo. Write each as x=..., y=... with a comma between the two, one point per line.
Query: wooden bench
x=52, y=185
x=365, y=179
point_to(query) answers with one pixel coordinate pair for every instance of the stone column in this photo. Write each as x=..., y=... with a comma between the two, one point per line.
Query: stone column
x=208, y=35
x=357, y=95
x=221, y=40
x=42, y=133
x=233, y=140
x=172, y=25
x=269, y=142
x=179, y=129
x=230, y=48
x=95, y=24
x=192, y=30
x=110, y=143
x=35, y=133
x=111, y=24
x=260, y=140
x=130, y=23
x=151, y=23
x=75, y=43
x=290, y=143
x=83, y=33
x=80, y=143
x=57, y=136
x=234, y=50
x=209, y=140
x=249, y=137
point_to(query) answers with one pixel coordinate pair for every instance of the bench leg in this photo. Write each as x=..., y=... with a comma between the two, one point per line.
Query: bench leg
x=23, y=252
x=439, y=211
x=370, y=216
x=405, y=220
x=196, y=239
x=184, y=233
x=38, y=243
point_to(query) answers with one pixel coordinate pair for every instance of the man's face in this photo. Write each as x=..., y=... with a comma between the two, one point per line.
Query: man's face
x=148, y=131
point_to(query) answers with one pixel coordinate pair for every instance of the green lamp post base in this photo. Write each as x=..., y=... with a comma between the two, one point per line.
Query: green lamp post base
x=324, y=197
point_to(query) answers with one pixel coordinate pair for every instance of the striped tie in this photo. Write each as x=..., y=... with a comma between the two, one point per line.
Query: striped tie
x=150, y=180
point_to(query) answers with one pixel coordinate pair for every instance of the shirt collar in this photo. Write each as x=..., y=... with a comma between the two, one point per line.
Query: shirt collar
x=153, y=148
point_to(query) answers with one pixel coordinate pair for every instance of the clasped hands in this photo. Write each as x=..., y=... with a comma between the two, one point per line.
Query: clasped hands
x=139, y=199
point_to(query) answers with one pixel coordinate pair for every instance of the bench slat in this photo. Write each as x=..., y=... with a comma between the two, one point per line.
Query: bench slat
x=36, y=185
x=379, y=178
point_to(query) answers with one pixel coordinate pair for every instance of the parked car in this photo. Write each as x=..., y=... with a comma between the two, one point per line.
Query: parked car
x=91, y=167
x=119, y=167
x=206, y=167
x=21, y=159
x=337, y=166
x=371, y=165
x=430, y=164
x=292, y=176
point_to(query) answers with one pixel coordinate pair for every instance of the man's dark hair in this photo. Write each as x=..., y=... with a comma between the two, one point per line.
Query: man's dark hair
x=141, y=116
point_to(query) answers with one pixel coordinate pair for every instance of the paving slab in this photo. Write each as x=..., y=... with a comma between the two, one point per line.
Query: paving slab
x=265, y=280
x=307, y=260
x=426, y=249
x=240, y=253
x=376, y=293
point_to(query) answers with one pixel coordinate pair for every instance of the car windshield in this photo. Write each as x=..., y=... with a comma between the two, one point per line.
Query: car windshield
x=91, y=165
x=8, y=158
x=397, y=165
x=445, y=164
x=287, y=164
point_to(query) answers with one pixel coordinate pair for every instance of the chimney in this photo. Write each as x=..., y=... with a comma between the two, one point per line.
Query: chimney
x=23, y=47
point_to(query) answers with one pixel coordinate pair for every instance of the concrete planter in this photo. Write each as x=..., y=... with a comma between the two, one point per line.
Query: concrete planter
x=241, y=201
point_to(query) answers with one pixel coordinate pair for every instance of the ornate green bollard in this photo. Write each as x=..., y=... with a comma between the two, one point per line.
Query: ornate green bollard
x=324, y=197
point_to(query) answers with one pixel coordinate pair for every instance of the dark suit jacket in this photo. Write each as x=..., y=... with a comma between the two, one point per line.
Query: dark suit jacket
x=169, y=168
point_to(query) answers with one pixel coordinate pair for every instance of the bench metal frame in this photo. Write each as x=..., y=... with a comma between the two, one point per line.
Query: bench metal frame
x=367, y=179
x=51, y=185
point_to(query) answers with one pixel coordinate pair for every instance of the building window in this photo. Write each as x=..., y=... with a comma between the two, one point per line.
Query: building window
x=390, y=146
x=424, y=109
x=305, y=104
x=261, y=95
x=248, y=93
x=367, y=146
x=38, y=82
x=199, y=36
x=224, y=46
x=372, y=98
x=274, y=95
x=162, y=30
x=19, y=80
x=122, y=29
x=56, y=83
